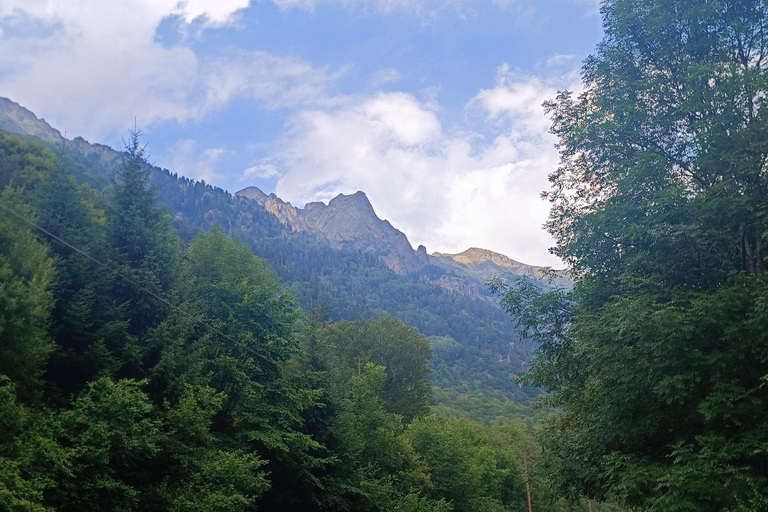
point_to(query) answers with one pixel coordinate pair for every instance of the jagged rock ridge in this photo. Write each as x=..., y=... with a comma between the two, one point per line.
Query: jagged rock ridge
x=349, y=222
x=16, y=119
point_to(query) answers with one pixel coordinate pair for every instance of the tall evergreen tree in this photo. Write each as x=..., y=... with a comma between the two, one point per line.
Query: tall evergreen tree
x=26, y=277
x=139, y=231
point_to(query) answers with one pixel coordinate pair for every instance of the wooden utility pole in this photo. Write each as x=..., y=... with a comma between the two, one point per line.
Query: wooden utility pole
x=589, y=502
x=527, y=484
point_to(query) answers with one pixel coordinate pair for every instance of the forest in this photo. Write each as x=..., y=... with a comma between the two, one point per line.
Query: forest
x=162, y=347
x=140, y=371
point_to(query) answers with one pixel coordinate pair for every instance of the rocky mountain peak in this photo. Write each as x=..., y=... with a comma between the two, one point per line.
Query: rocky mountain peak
x=478, y=255
x=16, y=119
x=254, y=193
x=357, y=200
x=347, y=221
x=482, y=264
x=286, y=213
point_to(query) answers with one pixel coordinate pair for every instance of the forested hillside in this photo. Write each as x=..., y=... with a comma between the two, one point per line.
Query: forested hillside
x=345, y=283
x=140, y=371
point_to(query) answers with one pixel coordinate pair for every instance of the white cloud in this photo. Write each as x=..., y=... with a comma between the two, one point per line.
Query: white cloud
x=186, y=159
x=90, y=66
x=429, y=10
x=263, y=171
x=275, y=80
x=386, y=76
x=447, y=190
x=218, y=12
x=560, y=60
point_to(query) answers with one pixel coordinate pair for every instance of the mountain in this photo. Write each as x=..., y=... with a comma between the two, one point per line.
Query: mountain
x=349, y=222
x=346, y=222
x=16, y=119
x=474, y=267
x=339, y=258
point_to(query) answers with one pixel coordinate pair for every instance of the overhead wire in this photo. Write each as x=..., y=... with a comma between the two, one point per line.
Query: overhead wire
x=30, y=222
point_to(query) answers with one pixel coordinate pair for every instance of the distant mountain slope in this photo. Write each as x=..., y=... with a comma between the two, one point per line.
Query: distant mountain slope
x=16, y=119
x=348, y=222
x=340, y=256
x=477, y=266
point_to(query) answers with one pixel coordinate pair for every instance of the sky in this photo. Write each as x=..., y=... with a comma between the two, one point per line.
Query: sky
x=431, y=107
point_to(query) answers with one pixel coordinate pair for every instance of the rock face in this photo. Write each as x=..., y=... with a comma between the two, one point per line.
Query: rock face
x=16, y=119
x=288, y=215
x=479, y=265
x=348, y=222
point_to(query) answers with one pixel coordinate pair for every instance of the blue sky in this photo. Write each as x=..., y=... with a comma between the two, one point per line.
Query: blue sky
x=432, y=107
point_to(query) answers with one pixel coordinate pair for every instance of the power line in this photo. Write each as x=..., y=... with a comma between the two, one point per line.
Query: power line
x=134, y=283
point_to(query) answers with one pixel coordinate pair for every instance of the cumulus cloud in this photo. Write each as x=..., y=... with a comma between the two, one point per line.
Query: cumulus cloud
x=445, y=189
x=91, y=66
x=262, y=171
x=186, y=158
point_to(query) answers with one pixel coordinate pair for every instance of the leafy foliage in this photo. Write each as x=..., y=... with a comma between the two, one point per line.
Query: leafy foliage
x=656, y=358
x=162, y=375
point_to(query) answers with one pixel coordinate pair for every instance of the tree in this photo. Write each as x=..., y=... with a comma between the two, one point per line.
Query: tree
x=26, y=277
x=657, y=358
x=397, y=347
x=139, y=231
x=471, y=467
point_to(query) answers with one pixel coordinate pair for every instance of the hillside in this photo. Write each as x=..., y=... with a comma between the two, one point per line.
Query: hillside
x=349, y=222
x=342, y=259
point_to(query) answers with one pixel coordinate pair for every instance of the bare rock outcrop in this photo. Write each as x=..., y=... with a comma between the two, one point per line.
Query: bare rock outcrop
x=348, y=222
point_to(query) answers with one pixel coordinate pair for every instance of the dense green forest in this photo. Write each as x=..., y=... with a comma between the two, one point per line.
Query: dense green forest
x=140, y=371
x=657, y=360
x=344, y=284
x=154, y=361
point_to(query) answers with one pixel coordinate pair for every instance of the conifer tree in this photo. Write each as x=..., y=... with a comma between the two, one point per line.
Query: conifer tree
x=146, y=250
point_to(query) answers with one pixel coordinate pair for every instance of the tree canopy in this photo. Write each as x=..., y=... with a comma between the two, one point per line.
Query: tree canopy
x=140, y=372
x=657, y=358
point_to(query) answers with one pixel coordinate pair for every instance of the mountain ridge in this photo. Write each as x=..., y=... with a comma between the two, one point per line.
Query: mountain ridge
x=348, y=277
x=349, y=221
x=15, y=118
